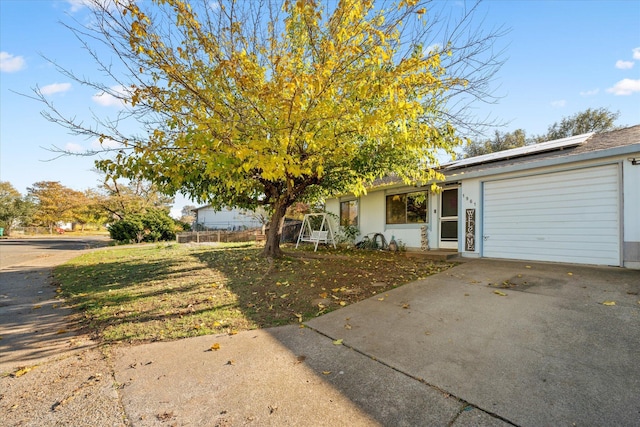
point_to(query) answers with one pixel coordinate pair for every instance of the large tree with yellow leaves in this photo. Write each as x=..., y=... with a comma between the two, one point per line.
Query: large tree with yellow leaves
x=266, y=103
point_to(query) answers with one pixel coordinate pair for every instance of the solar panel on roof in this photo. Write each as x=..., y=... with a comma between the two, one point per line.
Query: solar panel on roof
x=556, y=144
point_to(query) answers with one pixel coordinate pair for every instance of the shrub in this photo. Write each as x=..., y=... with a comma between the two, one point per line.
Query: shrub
x=152, y=226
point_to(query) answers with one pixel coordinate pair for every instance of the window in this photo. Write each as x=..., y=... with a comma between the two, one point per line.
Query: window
x=407, y=208
x=349, y=213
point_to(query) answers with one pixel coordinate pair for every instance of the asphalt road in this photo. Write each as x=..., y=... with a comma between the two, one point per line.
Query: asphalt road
x=15, y=252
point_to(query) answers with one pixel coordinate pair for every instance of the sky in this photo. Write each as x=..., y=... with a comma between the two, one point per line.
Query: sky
x=561, y=57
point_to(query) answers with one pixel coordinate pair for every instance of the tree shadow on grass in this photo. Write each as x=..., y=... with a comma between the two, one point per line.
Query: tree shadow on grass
x=159, y=294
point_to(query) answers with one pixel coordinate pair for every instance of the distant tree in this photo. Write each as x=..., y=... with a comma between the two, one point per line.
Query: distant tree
x=499, y=142
x=133, y=197
x=591, y=120
x=54, y=203
x=14, y=208
x=187, y=215
x=91, y=209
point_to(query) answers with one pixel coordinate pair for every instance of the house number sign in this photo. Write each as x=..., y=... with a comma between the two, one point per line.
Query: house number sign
x=470, y=231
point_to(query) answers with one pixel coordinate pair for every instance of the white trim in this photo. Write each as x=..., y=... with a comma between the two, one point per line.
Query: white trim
x=449, y=244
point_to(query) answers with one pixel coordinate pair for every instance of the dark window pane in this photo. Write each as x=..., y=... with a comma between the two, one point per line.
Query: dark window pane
x=449, y=230
x=417, y=207
x=450, y=203
x=408, y=208
x=397, y=209
x=349, y=213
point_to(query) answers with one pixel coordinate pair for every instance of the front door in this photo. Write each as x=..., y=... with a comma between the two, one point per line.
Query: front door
x=449, y=218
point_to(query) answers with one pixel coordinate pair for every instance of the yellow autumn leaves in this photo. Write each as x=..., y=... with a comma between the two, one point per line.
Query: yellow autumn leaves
x=292, y=107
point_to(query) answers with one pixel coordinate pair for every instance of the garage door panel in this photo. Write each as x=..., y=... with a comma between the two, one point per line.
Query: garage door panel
x=568, y=216
x=557, y=248
x=539, y=213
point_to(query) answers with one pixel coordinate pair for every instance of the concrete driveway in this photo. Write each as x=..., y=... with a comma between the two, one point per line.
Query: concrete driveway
x=533, y=344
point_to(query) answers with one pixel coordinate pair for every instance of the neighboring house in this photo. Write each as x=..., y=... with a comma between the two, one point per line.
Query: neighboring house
x=208, y=218
x=574, y=200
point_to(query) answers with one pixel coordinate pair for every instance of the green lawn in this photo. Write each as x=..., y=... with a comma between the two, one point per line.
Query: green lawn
x=171, y=291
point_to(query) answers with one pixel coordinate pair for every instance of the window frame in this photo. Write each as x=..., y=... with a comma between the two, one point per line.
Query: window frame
x=405, y=193
x=357, y=213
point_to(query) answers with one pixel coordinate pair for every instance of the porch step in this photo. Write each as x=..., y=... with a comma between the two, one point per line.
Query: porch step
x=435, y=255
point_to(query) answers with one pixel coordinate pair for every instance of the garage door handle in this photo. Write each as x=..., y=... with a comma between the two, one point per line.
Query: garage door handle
x=485, y=238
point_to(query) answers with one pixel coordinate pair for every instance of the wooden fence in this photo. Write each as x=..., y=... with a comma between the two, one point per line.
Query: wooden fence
x=218, y=236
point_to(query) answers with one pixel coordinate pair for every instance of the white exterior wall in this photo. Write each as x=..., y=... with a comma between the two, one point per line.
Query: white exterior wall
x=371, y=214
x=333, y=206
x=224, y=219
x=372, y=217
x=631, y=212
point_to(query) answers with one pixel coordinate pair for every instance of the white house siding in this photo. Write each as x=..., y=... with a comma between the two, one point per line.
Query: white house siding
x=225, y=219
x=631, y=195
x=569, y=216
x=372, y=217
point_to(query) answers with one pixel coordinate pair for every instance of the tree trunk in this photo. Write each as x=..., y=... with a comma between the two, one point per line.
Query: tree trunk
x=272, y=245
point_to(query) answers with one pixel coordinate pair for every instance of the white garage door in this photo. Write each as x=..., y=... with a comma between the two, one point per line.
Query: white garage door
x=568, y=216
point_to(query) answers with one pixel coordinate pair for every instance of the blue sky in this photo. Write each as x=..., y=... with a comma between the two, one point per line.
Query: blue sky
x=562, y=57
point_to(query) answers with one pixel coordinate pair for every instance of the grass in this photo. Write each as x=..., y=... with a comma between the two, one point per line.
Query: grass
x=169, y=291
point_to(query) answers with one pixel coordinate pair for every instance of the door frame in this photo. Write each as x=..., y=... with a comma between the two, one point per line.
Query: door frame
x=449, y=243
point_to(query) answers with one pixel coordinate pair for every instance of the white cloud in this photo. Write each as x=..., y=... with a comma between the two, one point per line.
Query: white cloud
x=625, y=87
x=55, y=88
x=77, y=5
x=10, y=63
x=624, y=65
x=107, y=144
x=108, y=100
x=559, y=103
x=636, y=53
x=73, y=147
x=591, y=92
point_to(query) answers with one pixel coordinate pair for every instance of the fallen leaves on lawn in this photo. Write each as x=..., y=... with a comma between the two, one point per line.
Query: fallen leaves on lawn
x=215, y=346
x=338, y=342
x=609, y=303
x=502, y=294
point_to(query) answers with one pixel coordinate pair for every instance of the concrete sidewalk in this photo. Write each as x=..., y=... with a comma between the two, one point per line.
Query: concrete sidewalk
x=449, y=350
x=274, y=377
